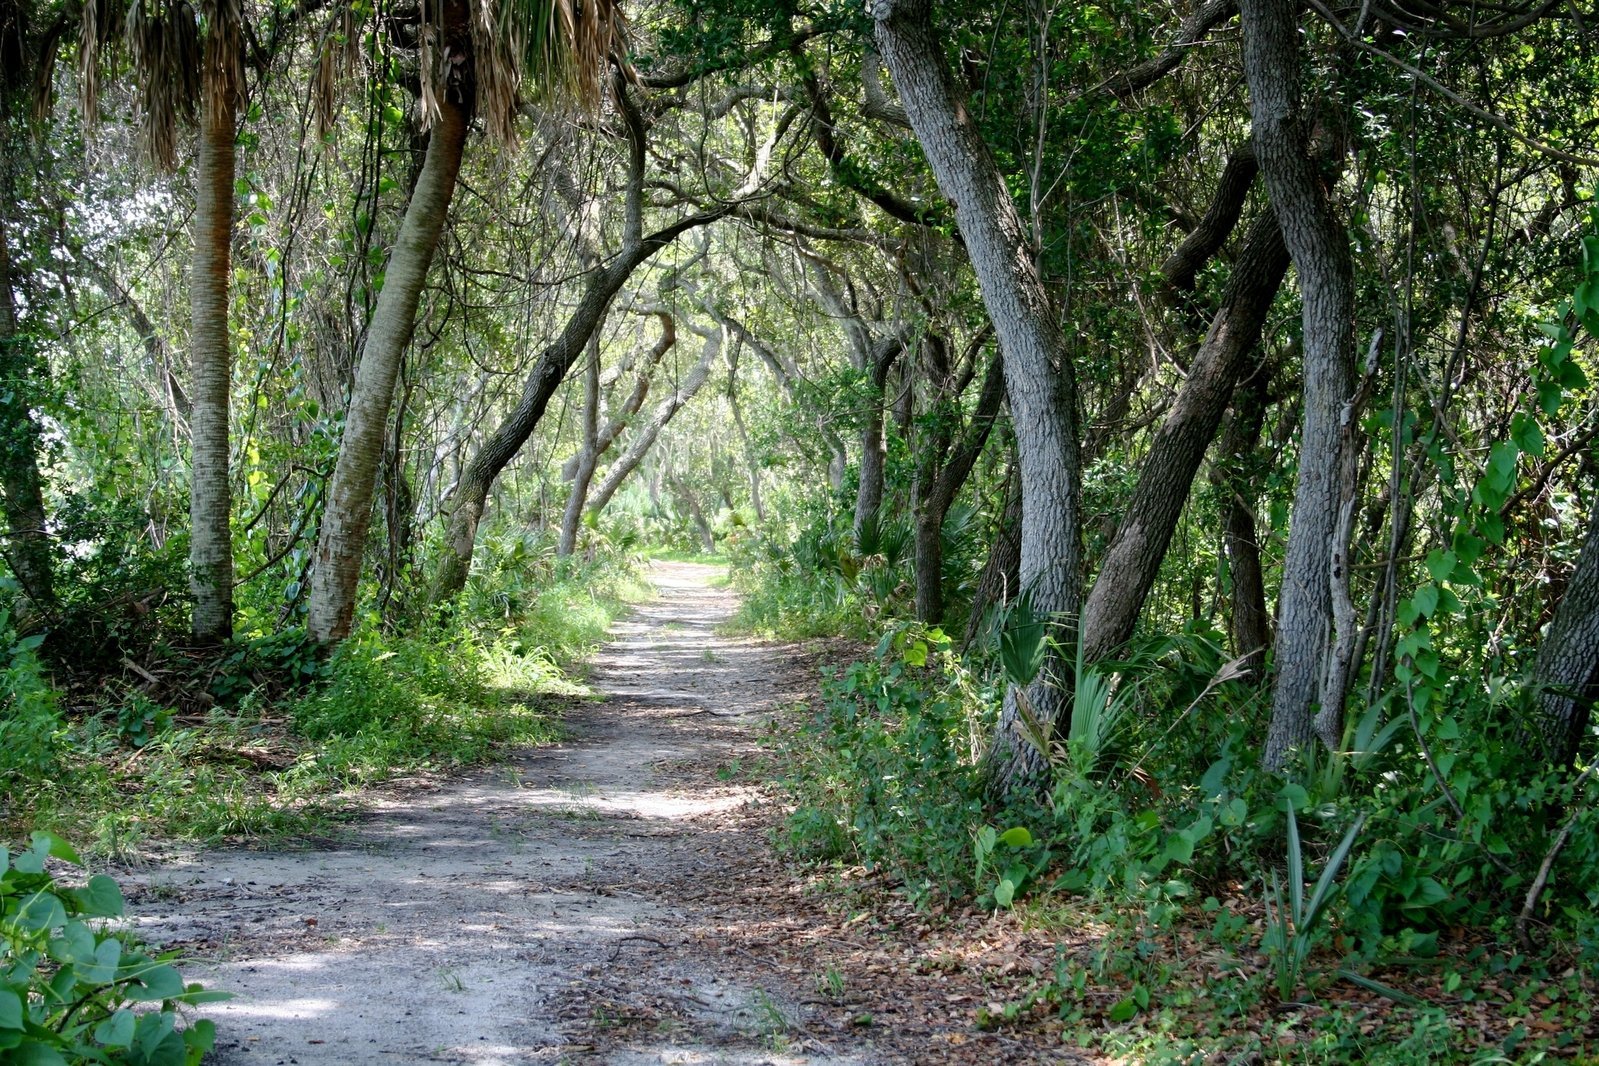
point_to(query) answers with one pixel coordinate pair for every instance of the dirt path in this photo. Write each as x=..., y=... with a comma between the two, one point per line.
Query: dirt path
x=559, y=909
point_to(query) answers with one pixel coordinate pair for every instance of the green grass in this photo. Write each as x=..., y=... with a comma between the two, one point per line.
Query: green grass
x=289, y=762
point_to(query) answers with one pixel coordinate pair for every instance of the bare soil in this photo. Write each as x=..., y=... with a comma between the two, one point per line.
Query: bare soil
x=612, y=899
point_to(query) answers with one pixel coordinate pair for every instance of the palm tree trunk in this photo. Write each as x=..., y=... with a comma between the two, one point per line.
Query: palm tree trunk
x=337, y=568
x=211, y=373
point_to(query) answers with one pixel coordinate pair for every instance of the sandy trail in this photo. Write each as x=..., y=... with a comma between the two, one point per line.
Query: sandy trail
x=524, y=914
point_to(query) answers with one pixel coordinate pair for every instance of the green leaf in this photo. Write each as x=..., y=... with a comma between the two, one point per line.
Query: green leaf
x=1527, y=435
x=1016, y=837
x=1005, y=892
x=1425, y=600
x=100, y=898
x=1123, y=1011
x=1180, y=848
x=117, y=1030
x=155, y=984
x=10, y=1009
x=1441, y=564
x=56, y=848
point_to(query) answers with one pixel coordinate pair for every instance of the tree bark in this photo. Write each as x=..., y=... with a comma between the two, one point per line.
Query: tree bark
x=588, y=452
x=1248, y=623
x=1133, y=559
x=211, y=366
x=1320, y=250
x=1038, y=370
x=1567, y=667
x=336, y=572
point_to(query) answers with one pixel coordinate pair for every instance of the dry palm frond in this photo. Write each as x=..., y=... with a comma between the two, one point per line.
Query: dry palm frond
x=432, y=59
x=164, y=45
x=557, y=49
x=336, y=64
x=222, y=77
x=100, y=24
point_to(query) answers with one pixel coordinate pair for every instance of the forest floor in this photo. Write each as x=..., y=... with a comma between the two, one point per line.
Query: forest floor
x=611, y=899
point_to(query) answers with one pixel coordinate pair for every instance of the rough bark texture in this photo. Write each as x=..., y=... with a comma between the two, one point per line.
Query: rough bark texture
x=337, y=568
x=1182, y=267
x=1132, y=561
x=1038, y=370
x=1568, y=660
x=211, y=373
x=1320, y=250
x=27, y=543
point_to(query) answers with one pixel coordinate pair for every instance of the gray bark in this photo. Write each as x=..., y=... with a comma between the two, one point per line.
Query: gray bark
x=1320, y=250
x=336, y=571
x=1038, y=370
x=1133, y=559
x=1567, y=668
x=598, y=439
x=874, y=447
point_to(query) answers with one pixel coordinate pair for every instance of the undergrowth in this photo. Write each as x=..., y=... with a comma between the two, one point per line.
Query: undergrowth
x=1392, y=936
x=268, y=737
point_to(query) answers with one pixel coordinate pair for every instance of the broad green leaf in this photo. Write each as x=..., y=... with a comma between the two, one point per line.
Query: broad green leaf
x=1005, y=892
x=10, y=1009
x=100, y=898
x=1441, y=564
x=117, y=1030
x=155, y=984
x=1016, y=837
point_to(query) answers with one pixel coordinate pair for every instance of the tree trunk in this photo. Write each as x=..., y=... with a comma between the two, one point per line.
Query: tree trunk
x=1248, y=623
x=472, y=494
x=1133, y=559
x=1567, y=668
x=1320, y=250
x=645, y=438
x=997, y=583
x=1038, y=370
x=211, y=370
x=869, y=494
x=337, y=569
x=937, y=487
x=27, y=542
x=588, y=454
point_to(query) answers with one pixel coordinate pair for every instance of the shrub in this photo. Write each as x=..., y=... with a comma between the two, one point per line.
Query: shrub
x=71, y=990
